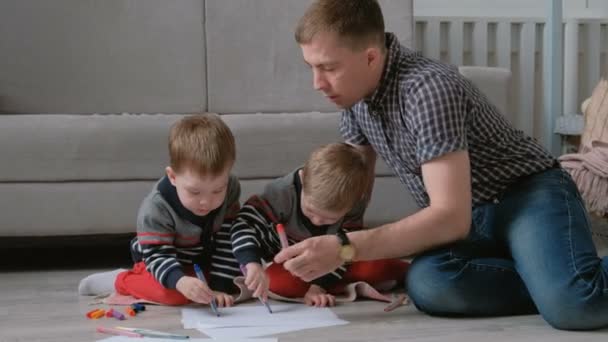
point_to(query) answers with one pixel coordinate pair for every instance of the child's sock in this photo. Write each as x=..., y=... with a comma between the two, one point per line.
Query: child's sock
x=98, y=283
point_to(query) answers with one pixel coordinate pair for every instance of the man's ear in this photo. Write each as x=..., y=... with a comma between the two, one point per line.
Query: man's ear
x=170, y=174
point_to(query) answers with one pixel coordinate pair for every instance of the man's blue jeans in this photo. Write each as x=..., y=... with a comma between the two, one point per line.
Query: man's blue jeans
x=530, y=252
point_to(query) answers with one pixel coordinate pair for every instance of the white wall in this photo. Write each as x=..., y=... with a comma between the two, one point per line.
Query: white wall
x=508, y=8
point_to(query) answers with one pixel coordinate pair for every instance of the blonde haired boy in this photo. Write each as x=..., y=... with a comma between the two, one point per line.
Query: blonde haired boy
x=325, y=196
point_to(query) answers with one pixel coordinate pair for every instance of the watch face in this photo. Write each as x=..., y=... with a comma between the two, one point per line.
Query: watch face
x=347, y=253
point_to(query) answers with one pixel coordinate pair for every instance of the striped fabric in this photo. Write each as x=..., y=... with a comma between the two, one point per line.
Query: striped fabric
x=254, y=238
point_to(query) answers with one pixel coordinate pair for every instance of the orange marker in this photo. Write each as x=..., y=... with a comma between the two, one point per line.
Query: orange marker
x=98, y=314
x=90, y=313
x=130, y=311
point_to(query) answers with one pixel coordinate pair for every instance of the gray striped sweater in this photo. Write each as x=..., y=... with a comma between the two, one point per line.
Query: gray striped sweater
x=170, y=236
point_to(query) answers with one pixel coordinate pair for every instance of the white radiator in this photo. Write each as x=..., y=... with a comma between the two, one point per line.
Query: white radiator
x=517, y=44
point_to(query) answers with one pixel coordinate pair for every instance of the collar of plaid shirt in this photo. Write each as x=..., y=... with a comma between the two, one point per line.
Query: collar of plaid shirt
x=390, y=69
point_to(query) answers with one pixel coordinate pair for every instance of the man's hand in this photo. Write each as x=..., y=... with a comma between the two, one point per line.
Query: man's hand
x=256, y=280
x=194, y=289
x=316, y=296
x=311, y=258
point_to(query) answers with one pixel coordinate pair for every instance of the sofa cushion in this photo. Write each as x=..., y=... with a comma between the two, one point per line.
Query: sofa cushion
x=110, y=207
x=48, y=148
x=271, y=145
x=88, y=174
x=42, y=148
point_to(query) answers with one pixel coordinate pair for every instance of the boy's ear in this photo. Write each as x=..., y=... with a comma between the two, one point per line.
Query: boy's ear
x=170, y=174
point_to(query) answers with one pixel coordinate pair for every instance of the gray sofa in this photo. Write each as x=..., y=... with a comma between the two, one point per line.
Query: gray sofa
x=73, y=165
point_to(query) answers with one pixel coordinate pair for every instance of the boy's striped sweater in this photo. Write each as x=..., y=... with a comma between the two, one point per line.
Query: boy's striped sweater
x=253, y=234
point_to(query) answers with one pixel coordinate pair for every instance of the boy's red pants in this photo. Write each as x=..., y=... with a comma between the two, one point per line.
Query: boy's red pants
x=374, y=272
x=139, y=283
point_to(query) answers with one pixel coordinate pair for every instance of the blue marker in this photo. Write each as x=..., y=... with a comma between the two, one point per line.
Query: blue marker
x=201, y=276
x=244, y=270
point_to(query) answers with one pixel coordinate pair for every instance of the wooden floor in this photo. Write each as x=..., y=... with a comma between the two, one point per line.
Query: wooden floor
x=44, y=306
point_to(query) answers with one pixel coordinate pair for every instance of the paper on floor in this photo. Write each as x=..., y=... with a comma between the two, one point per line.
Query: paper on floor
x=150, y=339
x=253, y=320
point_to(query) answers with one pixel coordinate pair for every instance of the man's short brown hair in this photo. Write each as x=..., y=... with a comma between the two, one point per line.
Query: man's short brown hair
x=358, y=22
x=202, y=143
x=335, y=177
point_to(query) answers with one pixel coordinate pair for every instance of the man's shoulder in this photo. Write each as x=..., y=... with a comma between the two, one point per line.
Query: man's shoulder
x=416, y=72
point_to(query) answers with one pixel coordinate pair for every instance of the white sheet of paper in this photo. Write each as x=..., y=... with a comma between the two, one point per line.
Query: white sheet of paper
x=244, y=321
x=245, y=332
x=150, y=339
x=295, y=315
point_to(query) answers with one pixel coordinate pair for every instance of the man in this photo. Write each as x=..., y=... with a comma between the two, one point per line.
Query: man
x=502, y=229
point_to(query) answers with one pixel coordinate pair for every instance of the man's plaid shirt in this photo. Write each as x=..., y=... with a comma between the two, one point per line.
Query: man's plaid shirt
x=424, y=109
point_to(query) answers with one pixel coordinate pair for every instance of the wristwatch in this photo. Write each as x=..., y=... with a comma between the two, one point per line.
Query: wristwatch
x=347, y=250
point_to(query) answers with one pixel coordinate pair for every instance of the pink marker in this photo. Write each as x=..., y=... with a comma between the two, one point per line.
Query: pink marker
x=282, y=235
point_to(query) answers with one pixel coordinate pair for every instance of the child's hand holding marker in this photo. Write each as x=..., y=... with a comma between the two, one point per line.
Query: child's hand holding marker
x=195, y=289
x=256, y=280
x=213, y=302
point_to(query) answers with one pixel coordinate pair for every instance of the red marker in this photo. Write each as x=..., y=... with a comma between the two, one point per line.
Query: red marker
x=282, y=235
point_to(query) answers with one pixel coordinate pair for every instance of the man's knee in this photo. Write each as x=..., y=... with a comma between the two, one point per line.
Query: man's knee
x=431, y=290
x=569, y=309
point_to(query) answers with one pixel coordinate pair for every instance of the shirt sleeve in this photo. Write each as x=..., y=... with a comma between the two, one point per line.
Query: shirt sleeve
x=350, y=129
x=156, y=234
x=252, y=232
x=439, y=115
x=330, y=279
x=224, y=266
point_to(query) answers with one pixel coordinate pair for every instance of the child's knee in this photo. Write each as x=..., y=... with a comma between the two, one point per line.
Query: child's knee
x=284, y=284
x=378, y=270
x=173, y=299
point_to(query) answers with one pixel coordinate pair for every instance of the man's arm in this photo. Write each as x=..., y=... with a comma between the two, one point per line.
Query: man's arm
x=447, y=180
x=447, y=219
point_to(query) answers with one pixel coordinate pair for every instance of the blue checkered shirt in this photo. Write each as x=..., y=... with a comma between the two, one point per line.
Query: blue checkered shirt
x=423, y=109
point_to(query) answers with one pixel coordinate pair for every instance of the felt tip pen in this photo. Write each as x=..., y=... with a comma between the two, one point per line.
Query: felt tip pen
x=201, y=276
x=155, y=333
x=121, y=332
x=244, y=270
